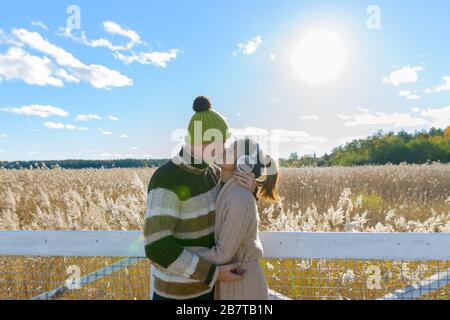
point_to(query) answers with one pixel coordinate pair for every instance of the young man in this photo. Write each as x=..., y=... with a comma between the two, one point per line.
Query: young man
x=181, y=212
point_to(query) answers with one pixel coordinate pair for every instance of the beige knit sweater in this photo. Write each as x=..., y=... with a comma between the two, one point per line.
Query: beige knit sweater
x=237, y=240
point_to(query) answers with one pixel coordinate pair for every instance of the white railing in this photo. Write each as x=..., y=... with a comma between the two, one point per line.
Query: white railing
x=433, y=250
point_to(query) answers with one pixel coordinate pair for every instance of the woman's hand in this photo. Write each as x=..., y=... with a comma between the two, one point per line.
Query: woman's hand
x=246, y=180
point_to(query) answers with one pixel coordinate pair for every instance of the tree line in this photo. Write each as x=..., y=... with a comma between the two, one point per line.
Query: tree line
x=384, y=148
x=84, y=164
x=379, y=149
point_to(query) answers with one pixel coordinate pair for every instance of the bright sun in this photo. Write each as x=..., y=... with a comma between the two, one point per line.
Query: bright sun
x=319, y=57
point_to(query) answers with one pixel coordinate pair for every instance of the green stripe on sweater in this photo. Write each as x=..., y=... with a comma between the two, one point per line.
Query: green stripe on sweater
x=163, y=222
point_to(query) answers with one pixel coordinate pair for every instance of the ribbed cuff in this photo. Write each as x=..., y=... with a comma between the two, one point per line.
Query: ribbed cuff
x=213, y=274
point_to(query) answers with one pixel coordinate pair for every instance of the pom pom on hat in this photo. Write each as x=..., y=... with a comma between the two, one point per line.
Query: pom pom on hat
x=202, y=104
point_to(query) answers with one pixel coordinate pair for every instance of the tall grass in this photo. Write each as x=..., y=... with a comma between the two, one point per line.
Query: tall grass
x=406, y=198
x=385, y=198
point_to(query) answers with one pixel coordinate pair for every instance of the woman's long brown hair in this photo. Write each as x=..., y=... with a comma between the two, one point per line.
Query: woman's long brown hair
x=268, y=190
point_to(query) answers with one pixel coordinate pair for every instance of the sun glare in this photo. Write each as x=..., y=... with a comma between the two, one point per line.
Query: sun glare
x=319, y=57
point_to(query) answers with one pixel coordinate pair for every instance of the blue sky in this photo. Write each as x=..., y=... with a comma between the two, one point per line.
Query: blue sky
x=121, y=84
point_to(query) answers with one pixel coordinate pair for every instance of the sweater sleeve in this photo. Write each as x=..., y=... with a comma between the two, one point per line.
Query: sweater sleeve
x=160, y=245
x=240, y=214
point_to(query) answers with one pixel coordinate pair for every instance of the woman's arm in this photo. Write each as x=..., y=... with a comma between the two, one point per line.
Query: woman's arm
x=239, y=215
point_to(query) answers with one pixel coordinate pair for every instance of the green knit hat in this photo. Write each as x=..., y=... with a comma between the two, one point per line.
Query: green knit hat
x=203, y=120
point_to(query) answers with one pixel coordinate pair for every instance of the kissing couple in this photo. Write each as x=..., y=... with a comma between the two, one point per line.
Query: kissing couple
x=201, y=224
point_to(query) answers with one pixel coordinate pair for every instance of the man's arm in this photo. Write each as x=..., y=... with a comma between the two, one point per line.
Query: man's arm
x=161, y=247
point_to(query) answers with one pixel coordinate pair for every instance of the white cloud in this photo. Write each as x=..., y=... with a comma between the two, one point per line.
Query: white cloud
x=17, y=64
x=32, y=152
x=410, y=95
x=37, y=110
x=272, y=57
x=97, y=43
x=159, y=59
x=277, y=135
x=156, y=58
x=61, y=73
x=87, y=117
x=344, y=117
x=54, y=125
x=249, y=47
x=124, y=136
x=3, y=135
x=248, y=131
x=282, y=135
x=101, y=77
x=115, y=29
x=406, y=74
x=103, y=43
x=111, y=28
x=310, y=117
x=7, y=39
x=106, y=133
x=443, y=87
x=396, y=120
x=439, y=118
x=35, y=41
x=98, y=76
x=113, y=118
x=106, y=155
x=59, y=126
x=39, y=24
x=134, y=148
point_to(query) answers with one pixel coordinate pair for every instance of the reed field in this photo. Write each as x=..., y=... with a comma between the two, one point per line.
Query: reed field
x=405, y=198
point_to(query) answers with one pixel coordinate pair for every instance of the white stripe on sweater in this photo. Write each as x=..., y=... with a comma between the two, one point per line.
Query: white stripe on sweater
x=194, y=235
x=169, y=277
x=184, y=265
x=157, y=236
x=165, y=202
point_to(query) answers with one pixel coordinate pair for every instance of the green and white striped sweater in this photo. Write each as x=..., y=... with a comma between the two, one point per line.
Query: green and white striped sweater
x=180, y=218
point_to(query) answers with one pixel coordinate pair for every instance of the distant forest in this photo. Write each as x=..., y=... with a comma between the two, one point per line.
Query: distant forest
x=379, y=149
x=384, y=148
x=84, y=164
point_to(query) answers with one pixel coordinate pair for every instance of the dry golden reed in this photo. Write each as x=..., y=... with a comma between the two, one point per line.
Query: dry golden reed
x=406, y=198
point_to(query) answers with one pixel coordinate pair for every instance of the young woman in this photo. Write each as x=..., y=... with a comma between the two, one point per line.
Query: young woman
x=236, y=221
